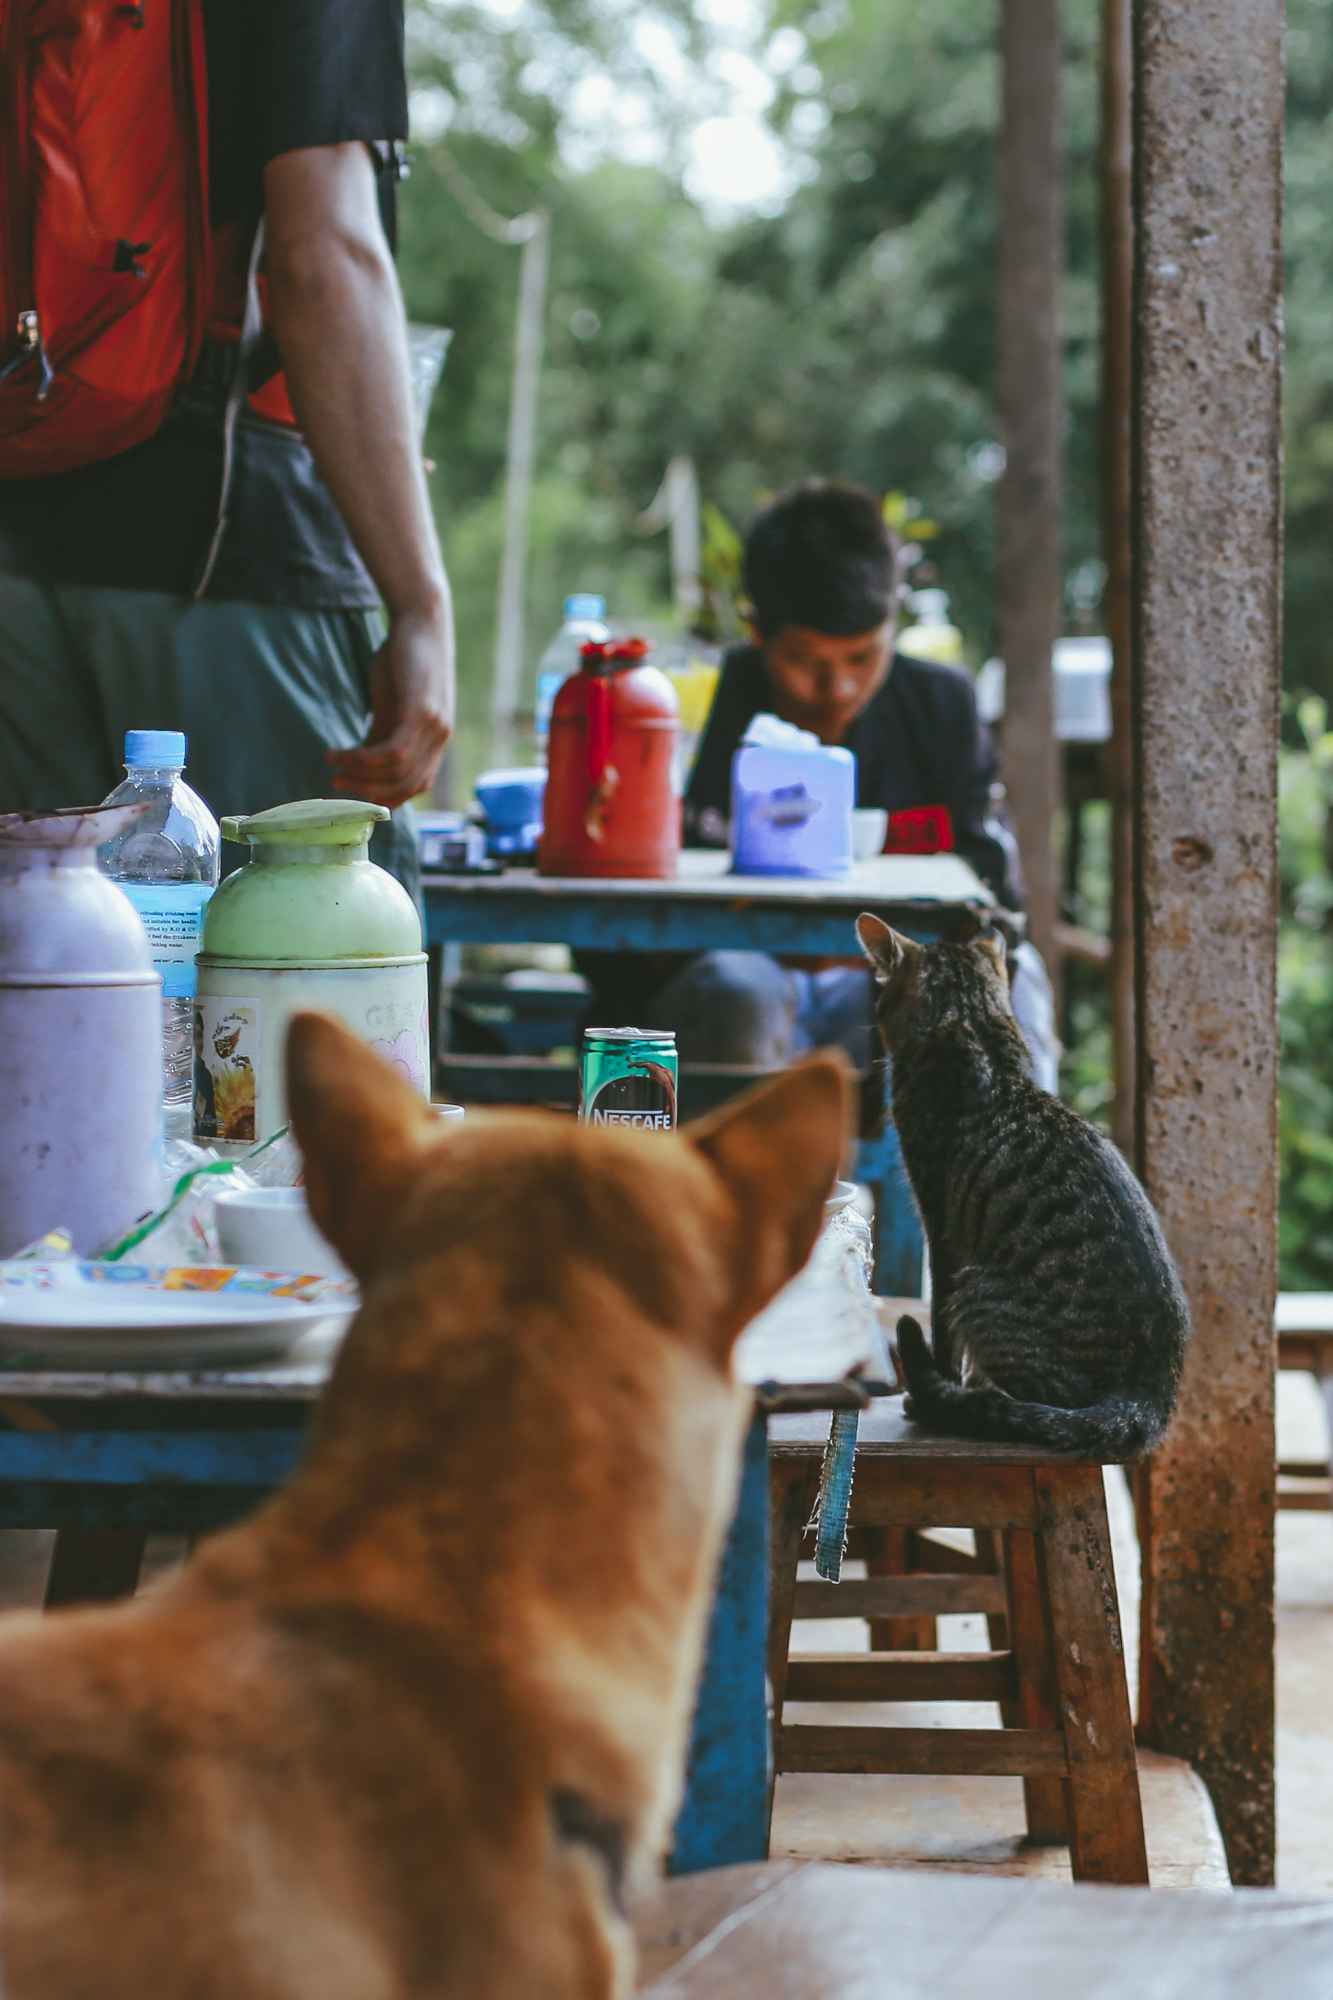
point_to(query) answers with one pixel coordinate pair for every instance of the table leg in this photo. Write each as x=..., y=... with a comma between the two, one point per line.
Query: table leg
x=94, y=1565
x=724, y=1815
x=791, y=1489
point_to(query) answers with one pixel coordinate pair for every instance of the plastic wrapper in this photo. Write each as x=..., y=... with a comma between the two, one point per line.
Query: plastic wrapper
x=56, y=1247
x=770, y=732
x=185, y=1231
x=821, y=1326
x=275, y=1162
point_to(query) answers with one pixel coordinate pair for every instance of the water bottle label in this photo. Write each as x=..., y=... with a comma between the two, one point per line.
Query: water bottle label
x=173, y=916
x=548, y=687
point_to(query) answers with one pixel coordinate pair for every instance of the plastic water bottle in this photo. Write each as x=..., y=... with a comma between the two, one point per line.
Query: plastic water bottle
x=585, y=618
x=167, y=864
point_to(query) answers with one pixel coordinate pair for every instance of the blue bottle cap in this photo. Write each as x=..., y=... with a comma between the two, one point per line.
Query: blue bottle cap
x=585, y=605
x=154, y=749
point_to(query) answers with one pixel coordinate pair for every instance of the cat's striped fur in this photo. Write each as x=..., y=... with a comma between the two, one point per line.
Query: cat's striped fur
x=1057, y=1313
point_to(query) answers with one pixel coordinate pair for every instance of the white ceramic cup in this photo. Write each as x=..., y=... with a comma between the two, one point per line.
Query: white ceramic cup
x=869, y=826
x=271, y=1229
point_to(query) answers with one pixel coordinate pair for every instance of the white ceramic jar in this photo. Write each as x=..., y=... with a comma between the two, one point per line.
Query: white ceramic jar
x=80, y=1036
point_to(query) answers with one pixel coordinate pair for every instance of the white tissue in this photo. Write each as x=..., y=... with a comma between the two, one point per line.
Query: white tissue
x=770, y=732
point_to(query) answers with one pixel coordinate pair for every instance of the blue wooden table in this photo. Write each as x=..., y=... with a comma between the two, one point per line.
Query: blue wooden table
x=107, y=1459
x=118, y=1456
x=706, y=908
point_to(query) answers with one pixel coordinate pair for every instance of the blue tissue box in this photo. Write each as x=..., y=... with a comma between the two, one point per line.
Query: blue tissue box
x=791, y=810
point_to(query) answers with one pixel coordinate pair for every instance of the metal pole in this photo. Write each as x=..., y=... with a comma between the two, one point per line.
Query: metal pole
x=683, y=509
x=1117, y=232
x=518, y=489
x=1028, y=580
x=1207, y=470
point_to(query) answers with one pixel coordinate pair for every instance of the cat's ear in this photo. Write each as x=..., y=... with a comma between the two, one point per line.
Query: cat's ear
x=993, y=946
x=888, y=950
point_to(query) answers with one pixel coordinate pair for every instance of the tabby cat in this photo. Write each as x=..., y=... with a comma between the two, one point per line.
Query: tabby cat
x=1058, y=1314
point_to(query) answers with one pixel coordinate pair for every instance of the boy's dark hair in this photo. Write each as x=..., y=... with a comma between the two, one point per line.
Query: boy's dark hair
x=822, y=556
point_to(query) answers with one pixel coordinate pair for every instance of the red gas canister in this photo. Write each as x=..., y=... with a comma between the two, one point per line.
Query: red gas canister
x=611, y=806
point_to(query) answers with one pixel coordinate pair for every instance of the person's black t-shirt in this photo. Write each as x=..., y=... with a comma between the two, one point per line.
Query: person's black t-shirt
x=918, y=742
x=282, y=75
x=286, y=74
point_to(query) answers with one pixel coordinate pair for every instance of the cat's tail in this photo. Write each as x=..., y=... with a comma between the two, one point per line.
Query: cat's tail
x=1122, y=1426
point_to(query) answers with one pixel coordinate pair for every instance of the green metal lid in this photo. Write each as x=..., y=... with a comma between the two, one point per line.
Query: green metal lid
x=308, y=823
x=310, y=894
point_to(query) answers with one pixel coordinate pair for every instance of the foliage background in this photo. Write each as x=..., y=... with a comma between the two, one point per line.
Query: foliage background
x=851, y=332
x=849, y=329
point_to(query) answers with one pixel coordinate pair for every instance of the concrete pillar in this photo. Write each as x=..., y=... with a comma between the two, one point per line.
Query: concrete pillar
x=1208, y=89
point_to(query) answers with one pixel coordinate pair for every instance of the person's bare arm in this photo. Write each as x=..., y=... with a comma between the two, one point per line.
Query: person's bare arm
x=337, y=316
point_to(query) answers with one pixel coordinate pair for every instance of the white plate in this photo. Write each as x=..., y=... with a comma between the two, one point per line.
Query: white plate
x=76, y=1315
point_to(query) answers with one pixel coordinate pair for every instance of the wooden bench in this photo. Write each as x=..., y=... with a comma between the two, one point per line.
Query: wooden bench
x=1305, y=1344
x=1041, y=1574
x=818, y=1932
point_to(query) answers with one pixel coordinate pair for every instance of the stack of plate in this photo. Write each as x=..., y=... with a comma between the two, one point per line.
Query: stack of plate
x=79, y=1315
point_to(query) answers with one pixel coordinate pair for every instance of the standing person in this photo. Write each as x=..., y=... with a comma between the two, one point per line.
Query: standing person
x=148, y=590
x=821, y=572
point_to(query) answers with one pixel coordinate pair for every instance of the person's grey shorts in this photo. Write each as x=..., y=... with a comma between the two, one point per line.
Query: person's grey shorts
x=743, y=1007
x=261, y=691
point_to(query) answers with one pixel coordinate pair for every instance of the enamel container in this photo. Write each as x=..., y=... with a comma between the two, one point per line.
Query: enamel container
x=309, y=922
x=80, y=1036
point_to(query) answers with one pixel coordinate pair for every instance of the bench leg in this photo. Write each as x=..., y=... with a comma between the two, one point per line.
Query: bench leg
x=989, y=1558
x=1106, y=1842
x=1044, y=1799
x=891, y=1552
x=95, y=1565
x=1325, y=1380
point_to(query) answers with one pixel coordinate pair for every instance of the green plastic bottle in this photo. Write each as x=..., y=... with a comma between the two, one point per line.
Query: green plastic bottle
x=309, y=922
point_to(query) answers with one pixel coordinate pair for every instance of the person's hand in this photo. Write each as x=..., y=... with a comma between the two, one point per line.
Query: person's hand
x=411, y=715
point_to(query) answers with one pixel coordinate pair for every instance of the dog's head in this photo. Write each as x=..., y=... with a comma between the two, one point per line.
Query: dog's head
x=529, y=1449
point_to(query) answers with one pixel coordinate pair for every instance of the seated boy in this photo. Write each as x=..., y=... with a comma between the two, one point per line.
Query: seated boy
x=821, y=572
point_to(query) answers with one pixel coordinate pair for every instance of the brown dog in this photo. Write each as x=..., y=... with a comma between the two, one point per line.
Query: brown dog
x=403, y=1733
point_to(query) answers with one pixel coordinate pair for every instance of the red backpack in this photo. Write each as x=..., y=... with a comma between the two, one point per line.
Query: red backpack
x=105, y=255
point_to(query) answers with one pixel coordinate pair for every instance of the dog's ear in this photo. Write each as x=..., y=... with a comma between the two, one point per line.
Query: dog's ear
x=777, y=1150
x=361, y=1132
x=887, y=950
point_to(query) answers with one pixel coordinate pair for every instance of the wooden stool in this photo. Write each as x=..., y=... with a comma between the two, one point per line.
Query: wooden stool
x=1042, y=1575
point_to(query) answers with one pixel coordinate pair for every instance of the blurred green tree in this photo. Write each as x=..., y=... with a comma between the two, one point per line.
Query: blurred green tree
x=852, y=333
x=1309, y=370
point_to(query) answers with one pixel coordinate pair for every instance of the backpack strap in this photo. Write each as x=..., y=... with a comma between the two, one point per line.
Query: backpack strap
x=252, y=331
